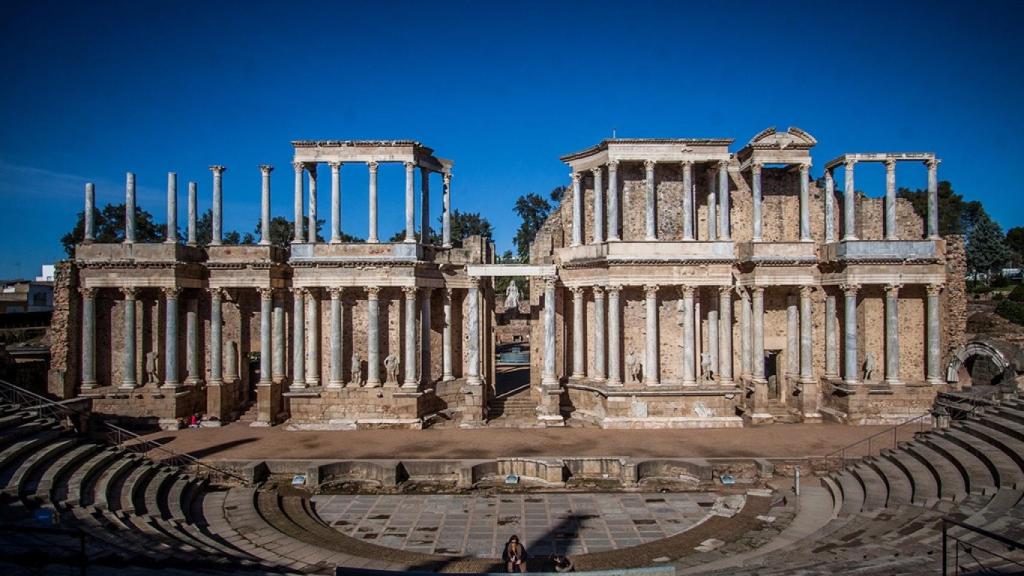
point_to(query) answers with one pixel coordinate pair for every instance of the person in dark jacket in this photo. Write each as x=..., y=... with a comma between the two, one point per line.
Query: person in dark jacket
x=514, y=555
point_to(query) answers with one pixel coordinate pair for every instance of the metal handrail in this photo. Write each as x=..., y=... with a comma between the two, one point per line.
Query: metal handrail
x=841, y=452
x=122, y=439
x=946, y=536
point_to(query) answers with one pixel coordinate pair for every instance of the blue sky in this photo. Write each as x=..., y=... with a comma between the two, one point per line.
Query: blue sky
x=94, y=89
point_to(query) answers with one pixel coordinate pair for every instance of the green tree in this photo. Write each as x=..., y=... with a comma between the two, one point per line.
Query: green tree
x=204, y=233
x=533, y=210
x=501, y=282
x=986, y=247
x=955, y=215
x=466, y=224
x=108, y=228
x=1015, y=242
x=282, y=231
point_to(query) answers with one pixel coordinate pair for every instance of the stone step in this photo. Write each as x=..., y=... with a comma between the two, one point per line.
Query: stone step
x=81, y=481
x=128, y=493
x=1011, y=413
x=950, y=480
x=47, y=453
x=13, y=455
x=26, y=429
x=214, y=513
x=876, y=492
x=977, y=476
x=853, y=492
x=104, y=492
x=154, y=497
x=12, y=419
x=925, y=486
x=900, y=491
x=1004, y=450
x=57, y=473
x=1009, y=427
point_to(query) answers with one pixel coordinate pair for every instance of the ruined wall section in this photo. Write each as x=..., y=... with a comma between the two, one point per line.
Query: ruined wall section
x=954, y=319
x=65, y=326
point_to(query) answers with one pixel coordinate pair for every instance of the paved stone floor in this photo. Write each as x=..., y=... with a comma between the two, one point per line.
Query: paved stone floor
x=478, y=525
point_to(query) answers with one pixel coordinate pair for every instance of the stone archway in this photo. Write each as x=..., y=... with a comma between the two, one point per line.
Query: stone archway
x=980, y=347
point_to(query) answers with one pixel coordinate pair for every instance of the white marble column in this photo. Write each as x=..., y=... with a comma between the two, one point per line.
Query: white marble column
x=830, y=206
x=651, y=227
x=192, y=341
x=424, y=206
x=755, y=183
x=599, y=332
x=372, y=336
x=128, y=380
x=933, y=198
x=278, y=363
x=216, y=337
x=805, y=203
x=745, y=328
x=891, y=233
x=311, y=169
x=90, y=213
x=579, y=339
x=613, y=201
x=725, y=336
x=757, y=358
x=712, y=205
x=713, y=334
x=372, y=236
x=172, y=209
x=933, y=335
x=88, y=338
x=689, y=337
x=446, y=214
x=831, y=338
x=265, y=170
x=549, y=377
x=598, y=205
x=687, y=200
x=892, y=334
x=473, y=335
x=337, y=328
x=724, y=228
x=192, y=212
x=266, y=335
x=410, y=337
x=218, y=204
x=129, y=209
x=651, y=369
x=577, y=210
x=410, y=203
x=698, y=333
x=614, y=336
x=335, y=202
x=313, y=338
x=792, y=336
x=446, y=339
x=851, y=373
x=806, y=335
x=299, y=217
x=425, y=360
x=298, y=338
x=849, y=204
x=171, y=338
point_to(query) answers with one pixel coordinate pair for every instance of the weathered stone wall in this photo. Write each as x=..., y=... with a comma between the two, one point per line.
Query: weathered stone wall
x=65, y=331
x=954, y=318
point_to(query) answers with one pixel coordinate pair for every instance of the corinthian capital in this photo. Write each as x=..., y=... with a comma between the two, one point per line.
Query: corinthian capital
x=934, y=289
x=266, y=169
x=850, y=289
x=217, y=169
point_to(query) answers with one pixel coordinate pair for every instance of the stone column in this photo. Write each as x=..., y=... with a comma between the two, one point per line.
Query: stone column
x=687, y=200
x=473, y=334
x=90, y=209
x=372, y=236
x=425, y=359
x=335, y=202
x=599, y=332
x=446, y=214
x=577, y=211
x=651, y=370
x=725, y=336
x=830, y=207
x=410, y=337
x=614, y=337
x=337, y=326
x=192, y=341
x=88, y=338
x=724, y=231
x=372, y=336
x=805, y=203
x=311, y=217
x=850, y=367
x=792, y=337
x=745, y=327
x=128, y=380
x=598, y=205
x=933, y=198
x=831, y=343
x=890, y=200
x=171, y=338
x=651, y=228
x=697, y=333
x=297, y=239
x=933, y=335
x=849, y=204
x=298, y=338
x=129, y=209
x=712, y=206
x=266, y=335
x=892, y=334
x=218, y=217
x=713, y=334
x=579, y=339
x=424, y=206
x=313, y=338
x=613, y=201
x=689, y=337
x=278, y=365
x=446, y=339
x=216, y=337
x=757, y=358
x=265, y=170
x=172, y=208
x=806, y=335
x=755, y=182
x=192, y=212
x=410, y=204
x=549, y=377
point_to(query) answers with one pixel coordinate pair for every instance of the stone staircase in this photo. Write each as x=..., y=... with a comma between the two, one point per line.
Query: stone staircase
x=518, y=409
x=249, y=416
x=781, y=413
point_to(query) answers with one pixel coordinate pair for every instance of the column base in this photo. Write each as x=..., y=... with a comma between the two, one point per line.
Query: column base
x=689, y=383
x=312, y=382
x=372, y=384
x=128, y=386
x=934, y=381
x=550, y=381
x=894, y=383
x=88, y=385
x=447, y=378
x=614, y=383
x=336, y=384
